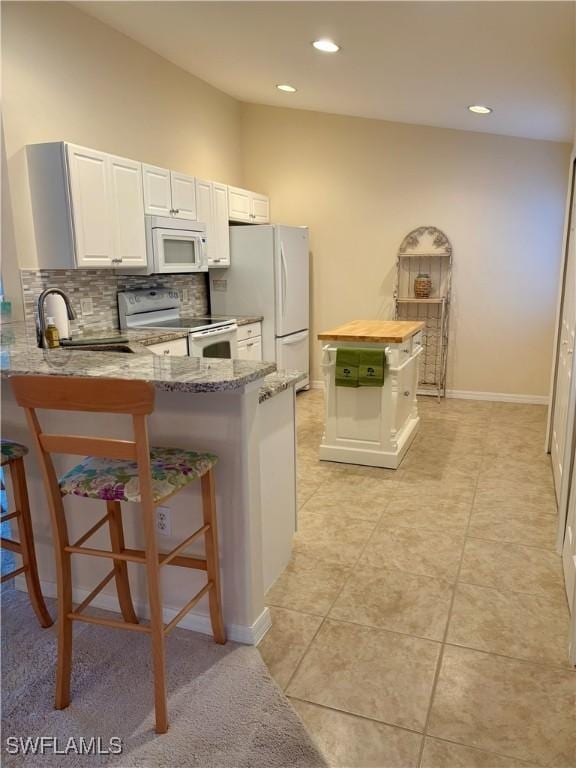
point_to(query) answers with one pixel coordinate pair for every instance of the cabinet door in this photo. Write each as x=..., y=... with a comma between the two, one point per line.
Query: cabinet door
x=239, y=204
x=157, y=193
x=183, y=195
x=205, y=212
x=91, y=208
x=260, y=209
x=221, y=258
x=175, y=348
x=242, y=350
x=127, y=211
x=254, y=348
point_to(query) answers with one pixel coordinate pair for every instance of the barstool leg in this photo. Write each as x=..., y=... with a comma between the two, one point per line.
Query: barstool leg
x=120, y=566
x=212, y=556
x=20, y=491
x=64, y=663
x=156, y=620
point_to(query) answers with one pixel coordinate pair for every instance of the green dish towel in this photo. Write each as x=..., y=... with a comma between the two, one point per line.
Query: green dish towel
x=371, y=364
x=347, y=362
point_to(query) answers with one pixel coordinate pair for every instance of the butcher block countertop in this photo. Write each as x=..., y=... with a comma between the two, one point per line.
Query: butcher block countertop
x=373, y=331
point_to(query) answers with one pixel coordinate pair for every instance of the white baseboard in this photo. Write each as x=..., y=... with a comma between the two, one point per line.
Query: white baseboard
x=197, y=622
x=465, y=394
x=497, y=397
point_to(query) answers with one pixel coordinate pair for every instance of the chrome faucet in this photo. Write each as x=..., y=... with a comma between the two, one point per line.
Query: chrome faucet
x=41, y=322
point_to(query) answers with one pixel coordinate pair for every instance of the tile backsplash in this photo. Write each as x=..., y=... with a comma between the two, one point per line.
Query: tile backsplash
x=102, y=286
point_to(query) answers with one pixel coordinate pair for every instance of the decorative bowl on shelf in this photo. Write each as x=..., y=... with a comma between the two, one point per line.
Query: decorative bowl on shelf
x=422, y=286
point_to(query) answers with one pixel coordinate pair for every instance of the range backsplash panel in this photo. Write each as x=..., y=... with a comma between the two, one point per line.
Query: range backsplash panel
x=102, y=286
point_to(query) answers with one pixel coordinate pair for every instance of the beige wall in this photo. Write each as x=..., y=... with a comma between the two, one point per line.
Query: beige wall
x=361, y=185
x=68, y=76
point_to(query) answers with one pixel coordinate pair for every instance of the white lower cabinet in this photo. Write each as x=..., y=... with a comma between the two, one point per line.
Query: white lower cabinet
x=250, y=341
x=175, y=348
x=250, y=349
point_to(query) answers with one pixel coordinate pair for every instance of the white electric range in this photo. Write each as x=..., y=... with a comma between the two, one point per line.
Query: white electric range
x=160, y=308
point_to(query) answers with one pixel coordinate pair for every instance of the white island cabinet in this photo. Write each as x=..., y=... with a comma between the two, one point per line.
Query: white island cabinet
x=372, y=425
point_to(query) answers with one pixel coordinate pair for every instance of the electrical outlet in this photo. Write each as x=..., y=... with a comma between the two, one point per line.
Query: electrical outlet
x=87, y=306
x=185, y=295
x=163, y=522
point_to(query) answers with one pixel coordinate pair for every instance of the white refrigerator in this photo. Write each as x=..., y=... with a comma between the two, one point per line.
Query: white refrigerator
x=269, y=276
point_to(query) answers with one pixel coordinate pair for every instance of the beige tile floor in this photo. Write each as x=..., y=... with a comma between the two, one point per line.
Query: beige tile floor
x=422, y=621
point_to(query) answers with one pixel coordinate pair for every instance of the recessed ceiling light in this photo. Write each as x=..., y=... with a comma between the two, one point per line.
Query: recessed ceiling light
x=286, y=88
x=326, y=46
x=480, y=109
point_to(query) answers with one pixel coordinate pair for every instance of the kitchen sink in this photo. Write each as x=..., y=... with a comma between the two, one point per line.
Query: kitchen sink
x=101, y=347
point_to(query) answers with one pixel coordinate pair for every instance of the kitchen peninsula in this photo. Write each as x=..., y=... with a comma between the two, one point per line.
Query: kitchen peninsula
x=243, y=411
x=372, y=424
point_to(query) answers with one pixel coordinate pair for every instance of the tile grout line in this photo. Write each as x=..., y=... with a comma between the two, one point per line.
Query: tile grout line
x=448, y=619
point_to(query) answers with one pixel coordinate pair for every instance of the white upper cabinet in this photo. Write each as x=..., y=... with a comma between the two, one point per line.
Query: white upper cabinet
x=183, y=196
x=249, y=207
x=221, y=231
x=260, y=209
x=157, y=190
x=128, y=212
x=168, y=193
x=238, y=204
x=212, y=202
x=89, y=181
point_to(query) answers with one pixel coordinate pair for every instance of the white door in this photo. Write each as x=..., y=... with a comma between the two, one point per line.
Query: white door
x=239, y=204
x=205, y=212
x=127, y=211
x=260, y=209
x=569, y=548
x=220, y=221
x=157, y=193
x=565, y=355
x=291, y=267
x=91, y=209
x=293, y=352
x=183, y=195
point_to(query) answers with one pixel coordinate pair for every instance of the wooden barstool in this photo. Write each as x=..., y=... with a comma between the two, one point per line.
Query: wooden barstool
x=13, y=456
x=115, y=471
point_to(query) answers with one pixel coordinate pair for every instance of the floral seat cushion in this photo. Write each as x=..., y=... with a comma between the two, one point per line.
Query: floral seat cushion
x=11, y=451
x=117, y=479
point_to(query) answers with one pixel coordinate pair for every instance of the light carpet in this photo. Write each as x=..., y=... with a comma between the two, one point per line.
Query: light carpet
x=225, y=709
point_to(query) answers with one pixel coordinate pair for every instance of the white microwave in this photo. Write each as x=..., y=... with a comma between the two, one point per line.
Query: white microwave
x=175, y=245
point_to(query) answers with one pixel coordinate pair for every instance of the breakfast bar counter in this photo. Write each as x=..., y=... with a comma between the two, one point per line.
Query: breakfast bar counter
x=242, y=411
x=370, y=375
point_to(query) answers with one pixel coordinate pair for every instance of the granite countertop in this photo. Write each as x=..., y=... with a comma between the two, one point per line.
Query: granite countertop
x=20, y=355
x=277, y=382
x=240, y=319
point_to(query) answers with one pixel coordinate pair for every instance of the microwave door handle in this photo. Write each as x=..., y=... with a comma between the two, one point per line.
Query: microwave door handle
x=284, y=278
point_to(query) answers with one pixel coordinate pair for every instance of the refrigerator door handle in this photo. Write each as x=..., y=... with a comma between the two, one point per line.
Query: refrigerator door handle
x=295, y=338
x=284, y=278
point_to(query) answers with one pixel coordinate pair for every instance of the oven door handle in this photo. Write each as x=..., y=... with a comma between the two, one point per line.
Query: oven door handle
x=215, y=332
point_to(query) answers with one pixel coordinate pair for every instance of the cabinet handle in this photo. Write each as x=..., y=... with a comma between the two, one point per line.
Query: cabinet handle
x=176, y=210
x=250, y=345
x=166, y=351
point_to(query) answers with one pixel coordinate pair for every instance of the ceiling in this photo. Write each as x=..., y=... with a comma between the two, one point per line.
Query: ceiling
x=411, y=62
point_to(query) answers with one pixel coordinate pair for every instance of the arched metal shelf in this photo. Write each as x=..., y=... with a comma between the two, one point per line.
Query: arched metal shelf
x=428, y=250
